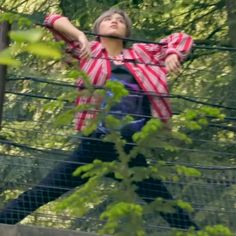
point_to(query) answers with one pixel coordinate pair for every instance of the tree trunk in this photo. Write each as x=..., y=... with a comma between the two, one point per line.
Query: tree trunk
x=4, y=42
x=231, y=11
x=231, y=18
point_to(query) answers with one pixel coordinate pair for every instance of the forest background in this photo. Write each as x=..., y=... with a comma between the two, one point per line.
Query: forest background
x=196, y=160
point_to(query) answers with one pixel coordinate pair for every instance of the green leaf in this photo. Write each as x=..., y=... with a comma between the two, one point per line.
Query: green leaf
x=184, y=205
x=64, y=118
x=6, y=59
x=9, y=61
x=218, y=230
x=44, y=50
x=187, y=171
x=31, y=36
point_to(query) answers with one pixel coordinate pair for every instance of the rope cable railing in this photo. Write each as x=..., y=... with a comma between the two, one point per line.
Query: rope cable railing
x=197, y=45
x=42, y=132
x=225, y=118
x=37, y=149
x=223, y=183
x=167, y=163
x=11, y=118
x=9, y=157
x=189, y=150
x=137, y=115
x=71, y=126
x=160, y=95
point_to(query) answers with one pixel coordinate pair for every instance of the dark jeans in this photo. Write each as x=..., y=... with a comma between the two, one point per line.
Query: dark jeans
x=60, y=180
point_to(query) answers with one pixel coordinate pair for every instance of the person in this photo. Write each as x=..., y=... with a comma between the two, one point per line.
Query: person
x=142, y=68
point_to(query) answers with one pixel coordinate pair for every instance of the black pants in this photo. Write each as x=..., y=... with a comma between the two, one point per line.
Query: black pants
x=60, y=180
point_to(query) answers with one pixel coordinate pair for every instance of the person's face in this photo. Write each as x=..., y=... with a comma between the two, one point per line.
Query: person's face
x=113, y=25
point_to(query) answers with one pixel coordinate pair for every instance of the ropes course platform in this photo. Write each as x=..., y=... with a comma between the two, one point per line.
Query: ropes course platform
x=23, y=230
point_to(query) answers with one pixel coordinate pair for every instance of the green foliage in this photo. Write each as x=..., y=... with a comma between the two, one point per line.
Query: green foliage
x=83, y=199
x=15, y=18
x=123, y=219
x=148, y=130
x=29, y=36
x=218, y=230
x=207, y=76
x=44, y=50
x=28, y=41
x=183, y=170
x=7, y=59
x=147, y=138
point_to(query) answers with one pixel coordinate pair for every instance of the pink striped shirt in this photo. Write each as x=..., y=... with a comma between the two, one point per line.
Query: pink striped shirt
x=146, y=62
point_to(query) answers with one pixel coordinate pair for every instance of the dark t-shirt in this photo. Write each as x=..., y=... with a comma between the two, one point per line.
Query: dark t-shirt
x=135, y=104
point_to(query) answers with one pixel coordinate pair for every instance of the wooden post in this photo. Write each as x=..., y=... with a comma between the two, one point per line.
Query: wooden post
x=4, y=42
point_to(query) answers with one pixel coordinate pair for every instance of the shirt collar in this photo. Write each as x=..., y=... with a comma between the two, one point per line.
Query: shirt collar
x=128, y=53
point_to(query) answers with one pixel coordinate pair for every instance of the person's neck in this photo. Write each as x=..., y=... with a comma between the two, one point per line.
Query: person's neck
x=113, y=47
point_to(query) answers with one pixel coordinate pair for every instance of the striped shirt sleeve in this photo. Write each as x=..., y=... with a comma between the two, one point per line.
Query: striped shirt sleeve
x=51, y=19
x=178, y=43
x=71, y=47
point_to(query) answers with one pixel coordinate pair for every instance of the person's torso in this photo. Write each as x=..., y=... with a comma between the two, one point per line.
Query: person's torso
x=149, y=77
x=135, y=104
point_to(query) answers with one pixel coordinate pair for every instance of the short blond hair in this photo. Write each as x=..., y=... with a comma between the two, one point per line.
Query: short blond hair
x=110, y=12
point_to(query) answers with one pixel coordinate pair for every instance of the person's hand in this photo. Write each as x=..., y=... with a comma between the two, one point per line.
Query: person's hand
x=173, y=64
x=84, y=46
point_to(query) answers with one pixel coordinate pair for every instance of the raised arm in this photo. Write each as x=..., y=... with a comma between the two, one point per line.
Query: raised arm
x=178, y=46
x=63, y=29
x=174, y=50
